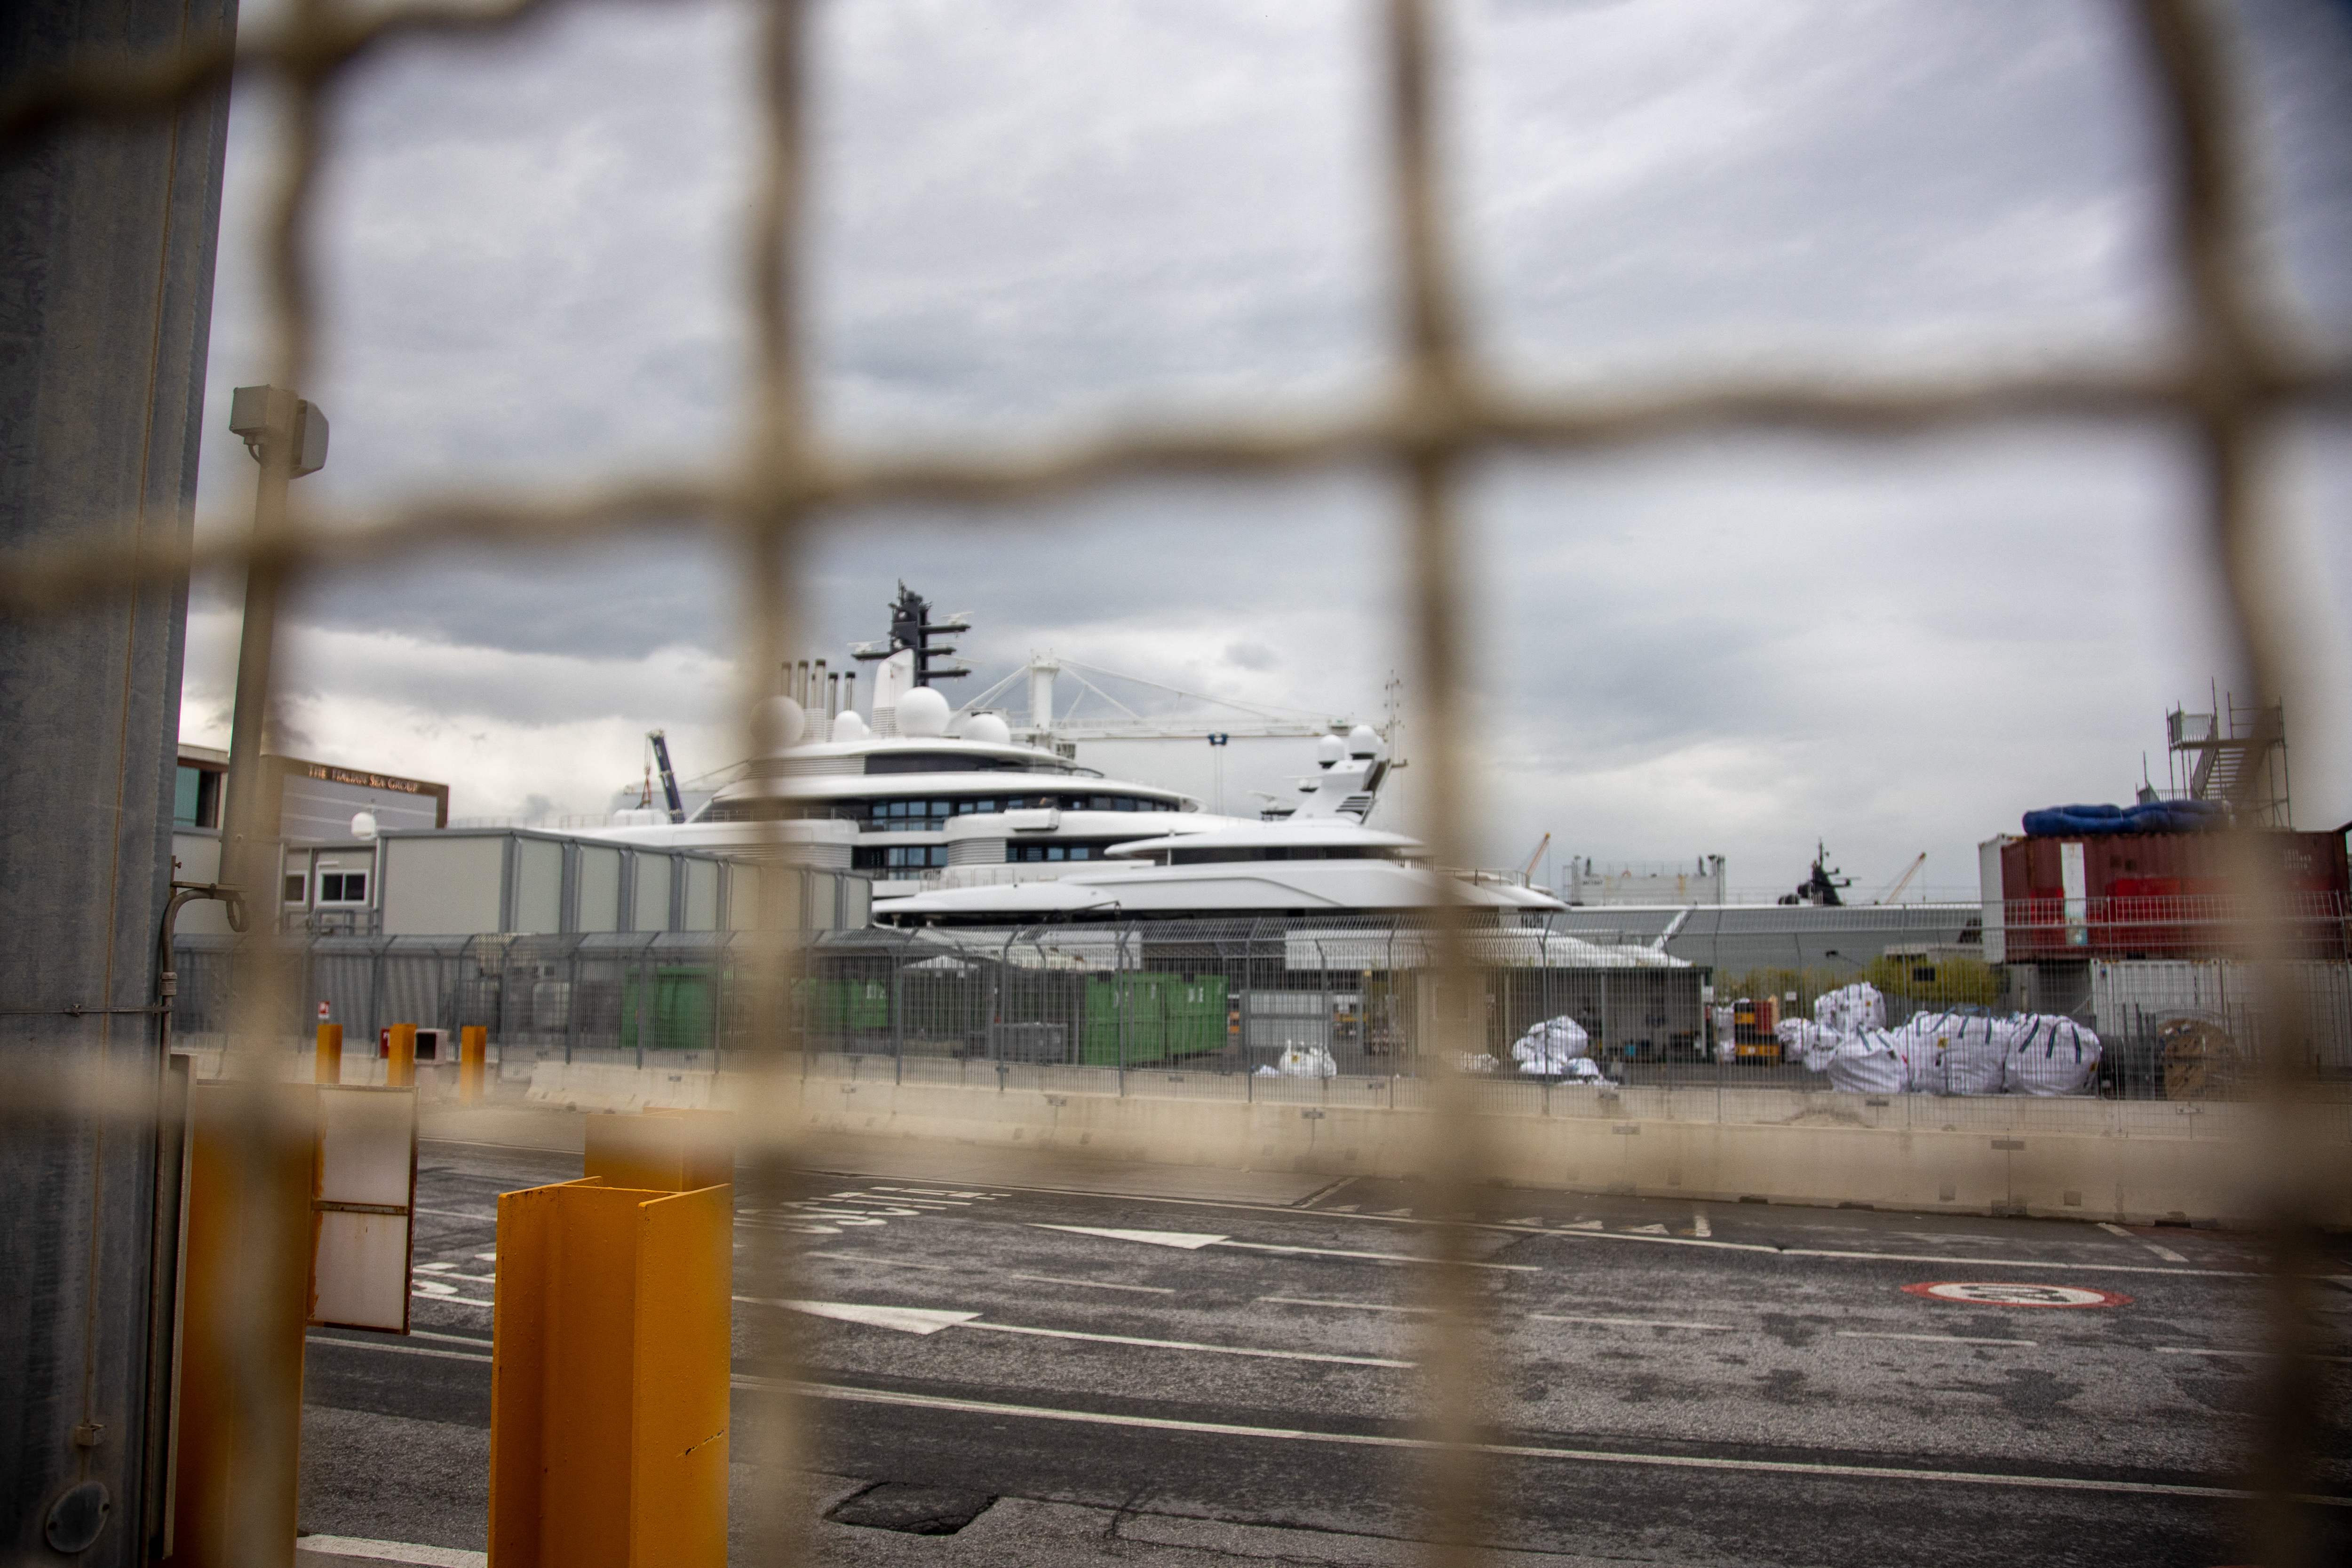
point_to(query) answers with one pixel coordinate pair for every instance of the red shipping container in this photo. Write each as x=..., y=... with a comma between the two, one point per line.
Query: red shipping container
x=2163, y=895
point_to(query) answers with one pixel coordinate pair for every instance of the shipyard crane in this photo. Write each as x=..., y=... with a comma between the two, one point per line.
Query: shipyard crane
x=668, y=776
x=1529, y=870
x=1904, y=882
x=1232, y=717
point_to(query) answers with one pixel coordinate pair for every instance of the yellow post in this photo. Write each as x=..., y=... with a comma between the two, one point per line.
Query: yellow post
x=329, y=1067
x=473, y=1056
x=248, y=1267
x=609, y=1378
x=400, y=1072
x=661, y=1150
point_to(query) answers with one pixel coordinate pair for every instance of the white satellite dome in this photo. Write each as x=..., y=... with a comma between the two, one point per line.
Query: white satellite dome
x=1363, y=740
x=988, y=729
x=779, y=725
x=363, y=825
x=849, y=726
x=922, y=714
x=1329, y=751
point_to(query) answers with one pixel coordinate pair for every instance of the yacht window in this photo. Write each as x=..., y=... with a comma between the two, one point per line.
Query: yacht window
x=898, y=858
x=944, y=763
x=1064, y=849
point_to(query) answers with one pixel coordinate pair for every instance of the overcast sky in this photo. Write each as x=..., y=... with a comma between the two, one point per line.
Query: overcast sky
x=1035, y=216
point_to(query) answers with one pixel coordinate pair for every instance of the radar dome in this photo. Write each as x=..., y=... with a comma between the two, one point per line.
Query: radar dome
x=849, y=726
x=988, y=729
x=779, y=725
x=1329, y=751
x=1363, y=740
x=922, y=714
x=363, y=825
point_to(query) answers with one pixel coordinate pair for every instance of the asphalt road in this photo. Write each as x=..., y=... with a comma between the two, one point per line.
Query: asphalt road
x=1717, y=1383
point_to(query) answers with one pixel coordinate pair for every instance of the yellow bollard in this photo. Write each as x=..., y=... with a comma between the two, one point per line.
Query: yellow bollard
x=329, y=1067
x=400, y=1070
x=247, y=1263
x=661, y=1150
x=473, y=1057
x=609, y=1378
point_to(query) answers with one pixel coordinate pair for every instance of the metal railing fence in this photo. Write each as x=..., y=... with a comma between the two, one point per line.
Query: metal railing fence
x=2224, y=392
x=1287, y=998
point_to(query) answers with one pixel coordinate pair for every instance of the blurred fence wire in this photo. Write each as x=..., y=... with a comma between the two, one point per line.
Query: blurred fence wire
x=2229, y=382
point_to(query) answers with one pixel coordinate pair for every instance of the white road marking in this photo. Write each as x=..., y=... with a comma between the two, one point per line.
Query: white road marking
x=1192, y=1241
x=392, y=1552
x=2247, y=1355
x=959, y=1268
x=1192, y=1345
x=1633, y=1322
x=1593, y=1227
x=1646, y=1230
x=453, y=1299
x=1515, y=1450
x=1351, y=1306
x=441, y=1271
x=397, y=1350
x=906, y=1319
x=931, y=1320
x=2164, y=1252
x=1699, y=1228
x=460, y=1214
x=1929, y=1339
x=487, y=1257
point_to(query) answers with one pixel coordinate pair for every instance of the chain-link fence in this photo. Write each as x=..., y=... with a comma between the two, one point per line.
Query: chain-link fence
x=1697, y=1006
x=2231, y=382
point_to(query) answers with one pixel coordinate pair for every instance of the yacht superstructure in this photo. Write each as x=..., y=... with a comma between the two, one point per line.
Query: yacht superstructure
x=959, y=822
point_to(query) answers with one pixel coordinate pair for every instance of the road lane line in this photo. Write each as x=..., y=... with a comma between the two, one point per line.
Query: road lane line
x=1512, y=1450
x=936, y=1319
x=459, y=1213
x=1351, y=1306
x=1699, y=1228
x=396, y=1350
x=961, y=1268
x=2164, y=1252
x=1406, y=1216
x=392, y=1552
x=1194, y=1240
x=2245, y=1355
x=1189, y=1345
x=454, y=1301
x=1633, y=1322
x=1930, y=1339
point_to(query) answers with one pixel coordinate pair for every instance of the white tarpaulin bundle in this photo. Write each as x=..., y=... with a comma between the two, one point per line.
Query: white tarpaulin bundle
x=1852, y=1009
x=1868, y=1064
x=1955, y=1053
x=1812, y=1043
x=1551, y=1048
x=2050, y=1055
x=1306, y=1061
x=1972, y=1054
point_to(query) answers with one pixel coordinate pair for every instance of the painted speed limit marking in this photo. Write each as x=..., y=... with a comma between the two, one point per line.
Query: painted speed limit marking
x=1975, y=1293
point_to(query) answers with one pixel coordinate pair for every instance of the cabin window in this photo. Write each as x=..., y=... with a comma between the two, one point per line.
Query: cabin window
x=342, y=887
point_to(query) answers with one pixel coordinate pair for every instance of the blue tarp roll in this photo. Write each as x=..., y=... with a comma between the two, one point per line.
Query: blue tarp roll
x=2151, y=817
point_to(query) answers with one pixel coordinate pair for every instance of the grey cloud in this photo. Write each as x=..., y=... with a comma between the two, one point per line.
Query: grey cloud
x=1050, y=215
